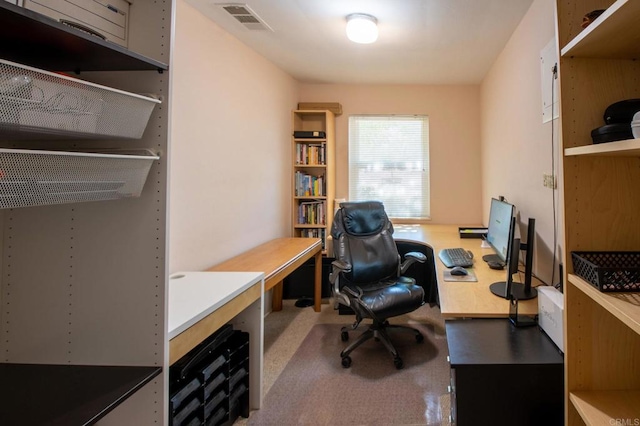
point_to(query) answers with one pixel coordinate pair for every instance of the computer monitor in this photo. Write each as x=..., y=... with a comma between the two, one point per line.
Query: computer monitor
x=500, y=216
x=509, y=289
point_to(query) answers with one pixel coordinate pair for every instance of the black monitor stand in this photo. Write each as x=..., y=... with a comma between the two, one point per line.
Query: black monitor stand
x=528, y=263
x=509, y=289
x=518, y=290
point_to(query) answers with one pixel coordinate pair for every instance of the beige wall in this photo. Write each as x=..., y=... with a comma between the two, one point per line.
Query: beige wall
x=516, y=145
x=454, y=127
x=230, y=168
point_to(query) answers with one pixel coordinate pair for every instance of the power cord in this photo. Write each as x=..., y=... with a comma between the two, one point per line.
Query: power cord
x=554, y=76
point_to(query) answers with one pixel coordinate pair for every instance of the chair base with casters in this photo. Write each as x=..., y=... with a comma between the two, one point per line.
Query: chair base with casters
x=407, y=297
x=378, y=331
x=367, y=275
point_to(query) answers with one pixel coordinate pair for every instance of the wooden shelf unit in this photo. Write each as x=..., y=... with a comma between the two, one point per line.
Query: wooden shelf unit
x=619, y=23
x=597, y=405
x=598, y=67
x=323, y=121
x=625, y=148
x=624, y=306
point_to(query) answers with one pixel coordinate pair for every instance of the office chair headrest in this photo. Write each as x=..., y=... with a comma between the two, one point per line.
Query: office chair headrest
x=363, y=218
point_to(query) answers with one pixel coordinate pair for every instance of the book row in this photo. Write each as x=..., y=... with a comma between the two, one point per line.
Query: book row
x=310, y=154
x=314, y=233
x=307, y=185
x=312, y=213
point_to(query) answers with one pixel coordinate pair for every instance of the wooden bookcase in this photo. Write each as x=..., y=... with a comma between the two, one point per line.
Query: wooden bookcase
x=598, y=66
x=313, y=180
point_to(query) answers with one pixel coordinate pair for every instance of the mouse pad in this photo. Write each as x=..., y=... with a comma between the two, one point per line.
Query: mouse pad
x=471, y=277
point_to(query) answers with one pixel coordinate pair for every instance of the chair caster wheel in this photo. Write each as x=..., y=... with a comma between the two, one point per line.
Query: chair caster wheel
x=419, y=338
x=397, y=361
x=346, y=361
x=344, y=336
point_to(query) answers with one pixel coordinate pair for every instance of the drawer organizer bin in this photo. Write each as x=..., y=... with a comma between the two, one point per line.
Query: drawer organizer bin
x=33, y=177
x=107, y=20
x=609, y=271
x=46, y=103
x=210, y=384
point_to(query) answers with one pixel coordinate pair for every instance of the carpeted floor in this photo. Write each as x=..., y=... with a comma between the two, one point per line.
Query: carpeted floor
x=305, y=383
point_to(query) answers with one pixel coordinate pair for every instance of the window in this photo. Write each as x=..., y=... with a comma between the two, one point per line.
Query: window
x=389, y=162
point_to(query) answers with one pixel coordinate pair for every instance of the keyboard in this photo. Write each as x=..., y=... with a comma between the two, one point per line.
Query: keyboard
x=456, y=257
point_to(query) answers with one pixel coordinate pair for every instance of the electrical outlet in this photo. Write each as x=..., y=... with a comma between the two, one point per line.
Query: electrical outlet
x=549, y=181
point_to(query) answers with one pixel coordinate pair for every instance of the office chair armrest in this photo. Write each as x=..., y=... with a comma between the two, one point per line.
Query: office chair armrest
x=354, y=296
x=339, y=266
x=411, y=258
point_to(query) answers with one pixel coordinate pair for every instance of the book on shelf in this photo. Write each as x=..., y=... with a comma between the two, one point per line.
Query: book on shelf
x=310, y=154
x=315, y=233
x=312, y=213
x=309, y=185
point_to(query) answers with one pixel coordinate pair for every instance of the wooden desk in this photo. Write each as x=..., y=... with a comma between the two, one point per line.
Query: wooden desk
x=202, y=302
x=277, y=259
x=463, y=299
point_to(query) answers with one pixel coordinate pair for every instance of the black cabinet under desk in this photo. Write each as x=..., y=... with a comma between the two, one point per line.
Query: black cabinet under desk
x=504, y=375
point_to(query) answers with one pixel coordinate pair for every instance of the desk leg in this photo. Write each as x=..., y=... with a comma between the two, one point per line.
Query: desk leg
x=276, y=303
x=317, y=297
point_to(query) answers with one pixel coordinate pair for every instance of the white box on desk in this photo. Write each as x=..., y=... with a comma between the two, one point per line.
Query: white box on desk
x=550, y=314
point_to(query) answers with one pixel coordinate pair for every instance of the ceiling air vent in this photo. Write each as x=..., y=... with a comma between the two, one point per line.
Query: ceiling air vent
x=247, y=17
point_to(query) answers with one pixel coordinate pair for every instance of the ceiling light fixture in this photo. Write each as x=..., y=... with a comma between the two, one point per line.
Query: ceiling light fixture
x=362, y=28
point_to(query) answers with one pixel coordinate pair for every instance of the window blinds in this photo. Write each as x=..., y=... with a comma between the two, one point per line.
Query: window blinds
x=389, y=162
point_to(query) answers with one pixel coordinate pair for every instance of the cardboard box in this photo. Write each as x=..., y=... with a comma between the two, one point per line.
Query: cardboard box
x=334, y=107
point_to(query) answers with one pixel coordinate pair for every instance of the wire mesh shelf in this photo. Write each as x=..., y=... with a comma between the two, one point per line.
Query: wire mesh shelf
x=42, y=102
x=35, y=178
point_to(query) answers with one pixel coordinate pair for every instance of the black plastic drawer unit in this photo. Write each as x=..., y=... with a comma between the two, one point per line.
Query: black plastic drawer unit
x=210, y=385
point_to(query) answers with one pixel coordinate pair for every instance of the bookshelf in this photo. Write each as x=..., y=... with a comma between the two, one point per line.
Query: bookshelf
x=83, y=284
x=598, y=67
x=313, y=190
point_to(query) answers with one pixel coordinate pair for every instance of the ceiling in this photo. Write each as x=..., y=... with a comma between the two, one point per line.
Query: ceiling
x=420, y=41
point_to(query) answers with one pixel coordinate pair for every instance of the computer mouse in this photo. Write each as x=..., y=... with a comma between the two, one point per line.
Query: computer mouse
x=459, y=270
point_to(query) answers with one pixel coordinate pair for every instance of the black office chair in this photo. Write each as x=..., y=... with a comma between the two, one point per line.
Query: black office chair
x=367, y=274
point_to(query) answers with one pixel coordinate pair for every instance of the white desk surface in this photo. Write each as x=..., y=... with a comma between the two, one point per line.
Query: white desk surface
x=194, y=295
